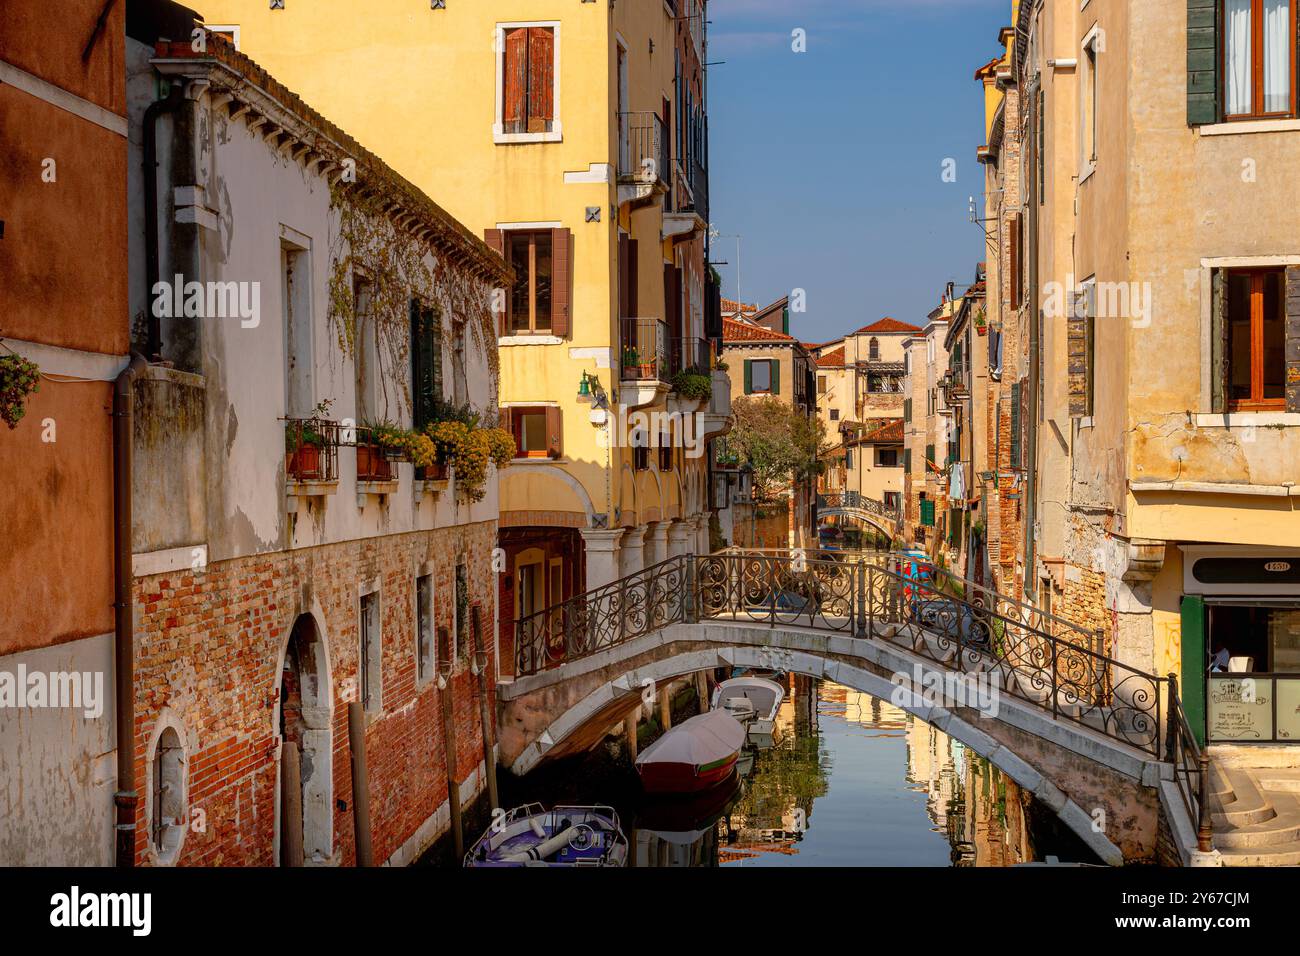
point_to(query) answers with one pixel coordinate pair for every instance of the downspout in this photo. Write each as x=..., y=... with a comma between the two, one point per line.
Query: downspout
x=169, y=104
x=1035, y=360
x=126, y=799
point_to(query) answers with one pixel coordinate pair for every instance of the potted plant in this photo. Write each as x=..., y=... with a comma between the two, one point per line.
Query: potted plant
x=693, y=386
x=981, y=322
x=303, y=440
x=631, y=362
x=379, y=444
x=18, y=379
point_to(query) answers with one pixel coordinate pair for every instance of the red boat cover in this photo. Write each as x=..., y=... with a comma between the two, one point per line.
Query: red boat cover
x=698, y=742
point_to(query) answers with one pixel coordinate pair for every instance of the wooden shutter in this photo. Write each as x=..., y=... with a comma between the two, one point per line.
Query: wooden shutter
x=554, y=432
x=516, y=419
x=776, y=375
x=1218, y=357
x=1192, y=686
x=633, y=302
x=496, y=241
x=624, y=281
x=1013, y=254
x=513, y=105
x=749, y=376
x=1016, y=389
x=541, y=79
x=673, y=300
x=1202, y=62
x=1293, y=339
x=1077, y=354
x=561, y=289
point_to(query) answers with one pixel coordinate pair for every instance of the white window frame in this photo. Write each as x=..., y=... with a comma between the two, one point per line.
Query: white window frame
x=375, y=667
x=1089, y=127
x=424, y=570
x=499, y=135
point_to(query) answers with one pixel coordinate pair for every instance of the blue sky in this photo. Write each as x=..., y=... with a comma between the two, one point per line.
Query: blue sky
x=829, y=162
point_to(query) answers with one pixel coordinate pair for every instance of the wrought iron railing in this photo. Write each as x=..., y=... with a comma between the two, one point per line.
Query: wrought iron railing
x=692, y=355
x=1191, y=769
x=642, y=148
x=855, y=500
x=646, y=353
x=311, y=449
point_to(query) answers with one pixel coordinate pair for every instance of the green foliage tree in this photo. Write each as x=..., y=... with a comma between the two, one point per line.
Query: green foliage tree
x=781, y=444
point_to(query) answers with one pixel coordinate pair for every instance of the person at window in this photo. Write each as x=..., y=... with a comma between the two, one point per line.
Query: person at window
x=1219, y=662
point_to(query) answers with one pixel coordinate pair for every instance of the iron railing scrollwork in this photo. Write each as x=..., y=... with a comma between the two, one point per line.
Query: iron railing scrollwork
x=1191, y=767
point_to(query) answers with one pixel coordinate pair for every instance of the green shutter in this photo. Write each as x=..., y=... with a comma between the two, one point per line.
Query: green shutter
x=907, y=460
x=776, y=376
x=907, y=409
x=927, y=513
x=1202, y=62
x=1191, y=686
x=749, y=376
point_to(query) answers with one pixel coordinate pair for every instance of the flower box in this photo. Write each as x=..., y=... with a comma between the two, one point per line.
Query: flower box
x=372, y=464
x=303, y=464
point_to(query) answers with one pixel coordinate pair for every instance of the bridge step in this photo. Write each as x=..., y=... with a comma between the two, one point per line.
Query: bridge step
x=1240, y=804
x=1256, y=816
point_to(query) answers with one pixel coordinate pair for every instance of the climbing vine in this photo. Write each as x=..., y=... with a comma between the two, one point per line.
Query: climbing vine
x=18, y=379
x=395, y=266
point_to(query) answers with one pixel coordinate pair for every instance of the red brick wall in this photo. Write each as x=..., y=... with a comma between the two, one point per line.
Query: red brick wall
x=210, y=645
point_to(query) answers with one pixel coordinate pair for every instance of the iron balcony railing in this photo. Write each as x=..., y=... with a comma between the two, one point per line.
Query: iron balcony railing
x=692, y=355
x=862, y=599
x=642, y=148
x=646, y=353
x=311, y=449
x=1191, y=769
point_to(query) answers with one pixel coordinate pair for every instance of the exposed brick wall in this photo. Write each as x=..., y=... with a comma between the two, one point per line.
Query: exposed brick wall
x=209, y=648
x=1082, y=601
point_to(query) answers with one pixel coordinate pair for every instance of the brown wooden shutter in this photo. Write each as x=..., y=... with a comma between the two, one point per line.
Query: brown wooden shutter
x=1218, y=357
x=496, y=241
x=1077, y=354
x=632, y=273
x=624, y=282
x=515, y=420
x=561, y=288
x=1293, y=339
x=541, y=79
x=1013, y=246
x=513, y=106
x=554, y=432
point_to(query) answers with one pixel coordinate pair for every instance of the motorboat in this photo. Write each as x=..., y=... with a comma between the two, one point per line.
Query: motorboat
x=694, y=756
x=566, y=836
x=756, y=697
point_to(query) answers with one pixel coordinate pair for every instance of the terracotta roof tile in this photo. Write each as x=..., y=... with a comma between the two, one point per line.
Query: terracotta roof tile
x=733, y=331
x=888, y=434
x=832, y=359
x=887, y=325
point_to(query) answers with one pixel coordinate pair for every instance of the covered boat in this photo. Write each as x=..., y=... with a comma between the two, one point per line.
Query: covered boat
x=695, y=755
x=531, y=835
x=757, y=696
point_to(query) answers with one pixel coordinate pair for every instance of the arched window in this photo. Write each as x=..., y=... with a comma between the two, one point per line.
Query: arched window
x=167, y=795
x=873, y=350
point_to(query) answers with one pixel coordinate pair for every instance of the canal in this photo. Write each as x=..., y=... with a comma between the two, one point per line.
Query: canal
x=851, y=780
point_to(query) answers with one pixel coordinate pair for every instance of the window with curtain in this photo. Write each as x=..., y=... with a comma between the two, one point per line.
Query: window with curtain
x=1258, y=55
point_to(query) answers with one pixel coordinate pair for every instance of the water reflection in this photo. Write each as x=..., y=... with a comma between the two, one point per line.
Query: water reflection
x=851, y=781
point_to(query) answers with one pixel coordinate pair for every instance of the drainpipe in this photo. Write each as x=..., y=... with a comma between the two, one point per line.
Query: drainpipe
x=170, y=104
x=126, y=798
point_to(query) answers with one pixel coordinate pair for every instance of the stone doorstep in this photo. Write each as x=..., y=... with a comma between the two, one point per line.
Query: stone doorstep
x=1256, y=815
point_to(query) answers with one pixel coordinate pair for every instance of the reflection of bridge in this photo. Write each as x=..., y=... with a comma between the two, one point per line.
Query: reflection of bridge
x=1104, y=745
x=857, y=507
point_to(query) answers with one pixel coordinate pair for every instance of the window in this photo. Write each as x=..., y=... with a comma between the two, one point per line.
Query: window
x=665, y=451
x=1081, y=333
x=368, y=679
x=462, y=610
x=168, y=795
x=295, y=279
x=835, y=414
x=892, y=499
x=887, y=458
x=762, y=377
x=537, y=431
x=528, y=80
x=1254, y=327
x=640, y=438
x=821, y=384
x=1088, y=118
x=1014, y=266
x=530, y=299
x=424, y=627
x=848, y=457
x=368, y=377
x=1258, y=58
x=426, y=362
x=873, y=351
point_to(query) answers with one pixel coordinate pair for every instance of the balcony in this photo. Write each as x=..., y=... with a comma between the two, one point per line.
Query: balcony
x=643, y=162
x=645, y=361
x=311, y=458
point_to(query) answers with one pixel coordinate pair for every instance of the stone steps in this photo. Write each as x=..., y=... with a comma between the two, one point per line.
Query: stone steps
x=1256, y=815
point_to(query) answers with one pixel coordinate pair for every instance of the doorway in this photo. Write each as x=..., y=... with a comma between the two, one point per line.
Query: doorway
x=304, y=724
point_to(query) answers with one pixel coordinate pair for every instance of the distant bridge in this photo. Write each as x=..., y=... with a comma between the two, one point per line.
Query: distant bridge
x=1104, y=745
x=858, y=507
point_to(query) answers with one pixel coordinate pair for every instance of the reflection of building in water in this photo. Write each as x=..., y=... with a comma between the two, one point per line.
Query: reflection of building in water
x=980, y=810
x=862, y=709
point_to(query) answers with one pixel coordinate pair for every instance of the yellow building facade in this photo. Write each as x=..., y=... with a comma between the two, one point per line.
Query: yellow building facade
x=572, y=137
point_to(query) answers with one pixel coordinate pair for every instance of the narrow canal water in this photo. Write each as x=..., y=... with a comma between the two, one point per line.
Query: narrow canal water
x=851, y=780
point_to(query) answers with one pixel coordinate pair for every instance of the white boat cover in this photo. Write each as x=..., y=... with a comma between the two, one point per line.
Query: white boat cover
x=697, y=742
x=764, y=694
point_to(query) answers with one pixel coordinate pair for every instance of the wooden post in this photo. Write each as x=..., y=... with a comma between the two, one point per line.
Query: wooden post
x=666, y=707
x=702, y=690
x=360, y=783
x=484, y=711
x=290, y=804
x=629, y=728
x=449, y=749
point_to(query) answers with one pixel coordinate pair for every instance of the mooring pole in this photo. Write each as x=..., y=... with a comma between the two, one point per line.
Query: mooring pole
x=485, y=711
x=445, y=683
x=360, y=783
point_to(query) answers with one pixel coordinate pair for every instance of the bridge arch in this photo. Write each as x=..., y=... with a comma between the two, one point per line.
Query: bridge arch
x=568, y=720
x=885, y=527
